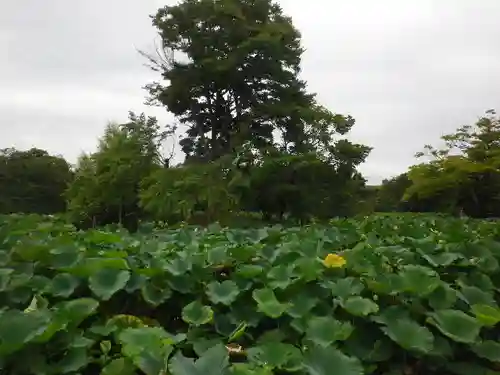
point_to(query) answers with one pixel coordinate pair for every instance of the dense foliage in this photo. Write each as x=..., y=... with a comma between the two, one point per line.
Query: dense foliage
x=462, y=177
x=182, y=193
x=106, y=184
x=382, y=295
x=32, y=181
x=231, y=75
x=256, y=142
x=466, y=173
x=97, y=290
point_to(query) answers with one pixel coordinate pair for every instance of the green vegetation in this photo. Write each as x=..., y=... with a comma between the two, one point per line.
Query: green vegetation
x=32, y=181
x=130, y=275
x=255, y=141
x=462, y=177
x=382, y=295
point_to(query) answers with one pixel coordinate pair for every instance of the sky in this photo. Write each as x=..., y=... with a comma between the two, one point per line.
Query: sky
x=407, y=71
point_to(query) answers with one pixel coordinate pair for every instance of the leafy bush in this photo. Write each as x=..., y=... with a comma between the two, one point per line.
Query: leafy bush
x=303, y=187
x=188, y=193
x=381, y=295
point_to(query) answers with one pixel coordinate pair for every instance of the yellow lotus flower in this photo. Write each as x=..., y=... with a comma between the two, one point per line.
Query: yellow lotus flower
x=334, y=261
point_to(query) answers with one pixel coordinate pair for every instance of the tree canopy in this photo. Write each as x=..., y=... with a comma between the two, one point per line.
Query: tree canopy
x=32, y=181
x=465, y=173
x=106, y=184
x=230, y=73
x=256, y=141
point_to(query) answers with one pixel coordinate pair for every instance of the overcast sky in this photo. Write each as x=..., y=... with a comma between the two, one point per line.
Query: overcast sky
x=408, y=71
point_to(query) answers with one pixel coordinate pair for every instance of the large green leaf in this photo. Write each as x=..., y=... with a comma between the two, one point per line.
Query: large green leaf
x=147, y=347
x=329, y=361
x=249, y=271
x=90, y=266
x=325, y=330
x=64, y=284
x=468, y=368
x=183, y=283
x=107, y=281
x=5, y=277
x=37, y=303
x=391, y=314
x=225, y=292
x=135, y=282
x=360, y=306
x=281, y=276
x=488, y=349
x=75, y=311
x=476, y=296
x=119, y=366
x=18, y=328
x=441, y=259
x=217, y=255
x=268, y=303
x=155, y=294
x=487, y=315
x=346, y=287
x=74, y=360
x=276, y=355
x=179, y=266
x=456, y=324
x=214, y=361
x=68, y=315
x=419, y=280
x=301, y=304
x=197, y=314
x=309, y=269
x=442, y=347
x=250, y=369
x=369, y=346
x=409, y=335
x=443, y=297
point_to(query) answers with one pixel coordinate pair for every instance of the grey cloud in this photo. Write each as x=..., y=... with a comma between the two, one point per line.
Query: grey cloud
x=408, y=71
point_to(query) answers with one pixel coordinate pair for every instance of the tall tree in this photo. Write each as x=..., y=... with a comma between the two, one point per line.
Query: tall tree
x=32, y=181
x=390, y=194
x=465, y=174
x=230, y=73
x=194, y=193
x=107, y=183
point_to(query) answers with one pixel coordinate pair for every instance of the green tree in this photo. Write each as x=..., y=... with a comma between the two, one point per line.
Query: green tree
x=230, y=74
x=196, y=193
x=321, y=182
x=302, y=187
x=389, y=197
x=83, y=198
x=32, y=181
x=106, y=185
x=463, y=176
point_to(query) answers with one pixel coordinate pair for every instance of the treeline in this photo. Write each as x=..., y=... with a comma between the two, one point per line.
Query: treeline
x=127, y=180
x=461, y=178
x=257, y=142
x=33, y=181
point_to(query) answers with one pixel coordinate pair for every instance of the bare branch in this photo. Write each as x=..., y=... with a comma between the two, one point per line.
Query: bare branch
x=163, y=60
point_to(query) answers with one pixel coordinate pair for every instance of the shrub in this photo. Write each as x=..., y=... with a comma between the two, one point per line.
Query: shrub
x=188, y=193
